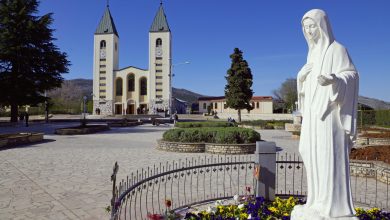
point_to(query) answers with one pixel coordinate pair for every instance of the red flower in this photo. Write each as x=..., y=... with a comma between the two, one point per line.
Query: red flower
x=168, y=203
x=155, y=216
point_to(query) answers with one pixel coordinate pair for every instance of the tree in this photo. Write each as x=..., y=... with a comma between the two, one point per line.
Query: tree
x=30, y=63
x=238, y=90
x=287, y=93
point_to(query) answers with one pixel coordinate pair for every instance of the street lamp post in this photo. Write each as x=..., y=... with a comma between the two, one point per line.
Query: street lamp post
x=171, y=75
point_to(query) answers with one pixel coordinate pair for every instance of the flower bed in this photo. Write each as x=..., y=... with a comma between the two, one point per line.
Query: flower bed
x=227, y=135
x=249, y=207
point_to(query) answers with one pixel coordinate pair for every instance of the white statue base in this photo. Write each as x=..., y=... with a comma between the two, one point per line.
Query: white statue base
x=301, y=213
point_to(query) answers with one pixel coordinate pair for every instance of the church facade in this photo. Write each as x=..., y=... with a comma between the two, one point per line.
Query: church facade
x=131, y=90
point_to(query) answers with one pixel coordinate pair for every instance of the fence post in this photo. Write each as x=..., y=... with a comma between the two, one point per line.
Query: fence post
x=114, y=193
x=265, y=167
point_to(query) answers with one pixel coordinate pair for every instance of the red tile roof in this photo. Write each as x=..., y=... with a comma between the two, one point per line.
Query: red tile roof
x=222, y=98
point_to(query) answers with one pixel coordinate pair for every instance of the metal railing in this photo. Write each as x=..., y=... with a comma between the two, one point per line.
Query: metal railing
x=194, y=181
x=185, y=183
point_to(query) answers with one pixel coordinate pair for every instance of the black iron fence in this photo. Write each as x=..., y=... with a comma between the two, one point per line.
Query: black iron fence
x=185, y=183
x=194, y=181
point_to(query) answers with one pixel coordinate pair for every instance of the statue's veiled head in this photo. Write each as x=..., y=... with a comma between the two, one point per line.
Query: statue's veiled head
x=316, y=27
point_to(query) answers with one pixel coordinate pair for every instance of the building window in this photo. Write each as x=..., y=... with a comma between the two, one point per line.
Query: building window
x=158, y=58
x=102, y=66
x=103, y=72
x=216, y=105
x=116, y=46
x=158, y=90
x=257, y=105
x=143, y=87
x=119, y=89
x=158, y=42
x=158, y=83
x=158, y=77
x=103, y=97
x=102, y=78
x=102, y=44
x=253, y=104
x=224, y=106
x=159, y=96
x=102, y=84
x=158, y=71
x=102, y=90
x=131, y=83
x=211, y=105
x=204, y=106
x=158, y=64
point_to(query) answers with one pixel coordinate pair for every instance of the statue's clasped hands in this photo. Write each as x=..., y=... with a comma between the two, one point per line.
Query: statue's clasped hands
x=325, y=80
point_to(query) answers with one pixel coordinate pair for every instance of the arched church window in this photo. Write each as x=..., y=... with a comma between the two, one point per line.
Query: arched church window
x=158, y=42
x=119, y=88
x=102, y=44
x=130, y=83
x=143, y=87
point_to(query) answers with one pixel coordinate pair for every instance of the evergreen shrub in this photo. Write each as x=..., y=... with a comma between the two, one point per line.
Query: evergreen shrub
x=227, y=135
x=204, y=124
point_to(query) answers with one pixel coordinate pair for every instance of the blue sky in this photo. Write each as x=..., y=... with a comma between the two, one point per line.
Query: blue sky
x=205, y=32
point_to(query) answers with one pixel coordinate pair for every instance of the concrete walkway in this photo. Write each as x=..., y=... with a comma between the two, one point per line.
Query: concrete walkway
x=68, y=177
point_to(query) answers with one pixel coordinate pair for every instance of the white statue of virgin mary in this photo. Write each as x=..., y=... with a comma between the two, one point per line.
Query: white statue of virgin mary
x=327, y=98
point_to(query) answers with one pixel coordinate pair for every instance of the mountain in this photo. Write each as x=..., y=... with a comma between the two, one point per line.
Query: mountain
x=186, y=95
x=374, y=103
x=72, y=91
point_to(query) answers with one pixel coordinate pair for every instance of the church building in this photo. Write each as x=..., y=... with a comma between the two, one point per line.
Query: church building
x=131, y=90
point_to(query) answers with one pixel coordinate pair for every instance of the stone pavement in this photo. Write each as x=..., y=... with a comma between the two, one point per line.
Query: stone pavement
x=68, y=177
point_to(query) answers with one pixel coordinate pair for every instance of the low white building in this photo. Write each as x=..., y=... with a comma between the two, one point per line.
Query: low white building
x=260, y=104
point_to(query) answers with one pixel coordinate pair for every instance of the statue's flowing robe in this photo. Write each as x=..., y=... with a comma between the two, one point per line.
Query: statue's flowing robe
x=328, y=126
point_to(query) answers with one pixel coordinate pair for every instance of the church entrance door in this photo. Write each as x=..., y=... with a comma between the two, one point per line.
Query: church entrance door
x=130, y=109
x=118, y=109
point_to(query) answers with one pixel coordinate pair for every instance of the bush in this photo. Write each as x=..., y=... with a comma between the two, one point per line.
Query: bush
x=227, y=135
x=266, y=124
x=205, y=124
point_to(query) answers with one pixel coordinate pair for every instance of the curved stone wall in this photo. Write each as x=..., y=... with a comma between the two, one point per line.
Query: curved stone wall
x=372, y=141
x=230, y=148
x=180, y=147
x=7, y=140
x=90, y=129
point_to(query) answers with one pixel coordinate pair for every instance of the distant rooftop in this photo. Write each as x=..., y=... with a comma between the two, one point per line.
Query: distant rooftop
x=222, y=98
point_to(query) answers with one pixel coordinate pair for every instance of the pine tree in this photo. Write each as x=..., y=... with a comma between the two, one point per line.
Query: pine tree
x=30, y=63
x=238, y=90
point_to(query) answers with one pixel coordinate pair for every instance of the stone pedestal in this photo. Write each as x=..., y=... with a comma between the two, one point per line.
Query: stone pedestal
x=265, y=167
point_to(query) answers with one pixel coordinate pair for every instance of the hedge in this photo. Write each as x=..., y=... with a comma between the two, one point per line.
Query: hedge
x=267, y=124
x=373, y=117
x=204, y=124
x=227, y=135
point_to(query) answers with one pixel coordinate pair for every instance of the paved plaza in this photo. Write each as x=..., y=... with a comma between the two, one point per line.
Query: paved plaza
x=68, y=177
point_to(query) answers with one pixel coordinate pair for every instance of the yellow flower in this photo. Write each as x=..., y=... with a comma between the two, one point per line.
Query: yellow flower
x=286, y=214
x=272, y=209
x=243, y=216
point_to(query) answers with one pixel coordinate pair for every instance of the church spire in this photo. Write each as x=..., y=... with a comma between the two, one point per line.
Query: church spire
x=160, y=23
x=106, y=25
